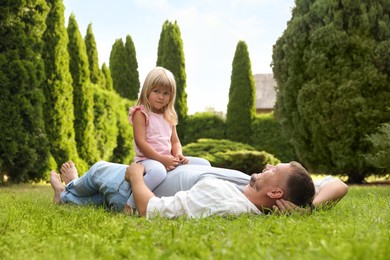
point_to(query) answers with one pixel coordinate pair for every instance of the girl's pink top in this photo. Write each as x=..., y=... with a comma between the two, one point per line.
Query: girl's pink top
x=158, y=133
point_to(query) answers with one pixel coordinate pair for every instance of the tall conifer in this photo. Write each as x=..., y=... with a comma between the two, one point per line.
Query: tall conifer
x=118, y=66
x=332, y=70
x=170, y=55
x=82, y=94
x=93, y=60
x=58, y=89
x=23, y=143
x=131, y=69
x=107, y=80
x=241, y=108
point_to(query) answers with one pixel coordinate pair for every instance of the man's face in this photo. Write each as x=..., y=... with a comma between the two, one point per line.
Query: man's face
x=271, y=176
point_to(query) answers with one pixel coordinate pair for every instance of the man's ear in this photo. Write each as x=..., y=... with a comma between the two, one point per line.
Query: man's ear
x=275, y=193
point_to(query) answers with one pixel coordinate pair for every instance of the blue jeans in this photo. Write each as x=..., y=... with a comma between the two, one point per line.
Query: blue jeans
x=103, y=184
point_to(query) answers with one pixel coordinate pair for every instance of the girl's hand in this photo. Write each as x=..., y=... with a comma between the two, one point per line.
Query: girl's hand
x=182, y=159
x=170, y=162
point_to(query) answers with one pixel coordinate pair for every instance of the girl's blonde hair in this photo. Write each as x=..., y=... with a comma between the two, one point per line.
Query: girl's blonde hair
x=160, y=77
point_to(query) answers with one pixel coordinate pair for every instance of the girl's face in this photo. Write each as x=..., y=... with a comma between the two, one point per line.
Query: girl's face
x=158, y=98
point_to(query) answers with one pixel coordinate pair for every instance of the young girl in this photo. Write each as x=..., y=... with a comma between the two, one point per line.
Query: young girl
x=154, y=119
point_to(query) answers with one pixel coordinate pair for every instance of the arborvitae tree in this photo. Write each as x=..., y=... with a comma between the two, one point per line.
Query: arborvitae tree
x=93, y=60
x=117, y=68
x=124, y=150
x=82, y=94
x=106, y=130
x=58, y=89
x=241, y=108
x=131, y=69
x=23, y=143
x=332, y=70
x=107, y=80
x=170, y=55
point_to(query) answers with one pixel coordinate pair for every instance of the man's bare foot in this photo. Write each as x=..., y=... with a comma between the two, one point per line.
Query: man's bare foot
x=69, y=172
x=55, y=181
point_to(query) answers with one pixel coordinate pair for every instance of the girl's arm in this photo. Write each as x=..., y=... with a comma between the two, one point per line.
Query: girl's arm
x=176, y=147
x=139, y=130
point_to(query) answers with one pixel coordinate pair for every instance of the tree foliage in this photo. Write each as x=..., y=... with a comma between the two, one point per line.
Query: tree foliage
x=204, y=125
x=241, y=108
x=231, y=155
x=131, y=69
x=267, y=135
x=23, y=142
x=107, y=80
x=58, y=89
x=332, y=70
x=124, y=68
x=92, y=53
x=380, y=153
x=170, y=55
x=82, y=94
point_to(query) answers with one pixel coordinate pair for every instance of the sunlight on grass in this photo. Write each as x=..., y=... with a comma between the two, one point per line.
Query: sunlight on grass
x=32, y=227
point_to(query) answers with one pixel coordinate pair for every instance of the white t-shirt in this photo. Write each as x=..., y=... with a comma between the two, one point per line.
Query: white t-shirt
x=208, y=197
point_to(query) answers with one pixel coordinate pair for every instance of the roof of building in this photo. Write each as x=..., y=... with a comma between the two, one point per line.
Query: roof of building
x=265, y=91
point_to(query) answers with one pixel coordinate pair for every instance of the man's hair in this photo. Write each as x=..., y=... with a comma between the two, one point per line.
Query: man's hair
x=300, y=187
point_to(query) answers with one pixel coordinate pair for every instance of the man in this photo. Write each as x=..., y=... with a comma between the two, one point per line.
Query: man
x=104, y=184
x=212, y=196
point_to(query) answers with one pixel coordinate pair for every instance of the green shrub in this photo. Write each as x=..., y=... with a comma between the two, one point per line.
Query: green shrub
x=246, y=161
x=124, y=150
x=380, y=154
x=204, y=125
x=229, y=154
x=113, y=132
x=267, y=136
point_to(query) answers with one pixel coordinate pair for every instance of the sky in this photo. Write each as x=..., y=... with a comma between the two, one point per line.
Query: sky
x=210, y=30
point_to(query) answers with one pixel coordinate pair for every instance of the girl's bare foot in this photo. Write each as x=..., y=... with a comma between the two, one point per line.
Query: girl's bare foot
x=55, y=181
x=69, y=172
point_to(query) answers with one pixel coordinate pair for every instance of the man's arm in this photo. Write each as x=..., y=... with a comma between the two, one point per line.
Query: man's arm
x=142, y=194
x=331, y=192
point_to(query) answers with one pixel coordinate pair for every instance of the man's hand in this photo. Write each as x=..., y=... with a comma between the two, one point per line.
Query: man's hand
x=285, y=207
x=134, y=169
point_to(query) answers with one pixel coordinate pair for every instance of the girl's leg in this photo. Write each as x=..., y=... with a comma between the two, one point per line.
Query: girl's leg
x=155, y=173
x=198, y=161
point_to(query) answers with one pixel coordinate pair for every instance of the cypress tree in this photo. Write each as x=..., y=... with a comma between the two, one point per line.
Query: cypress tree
x=118, y=66
x=82, y=94
x=58, y=90
x=105, y=121
x=241, y=108
x=24, y=147
x=131, y=69
x=92, y=53
x=332, y=69
x=107, y=80
x=170, y=55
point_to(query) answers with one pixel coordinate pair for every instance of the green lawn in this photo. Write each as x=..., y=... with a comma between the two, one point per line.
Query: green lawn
x=31, y=227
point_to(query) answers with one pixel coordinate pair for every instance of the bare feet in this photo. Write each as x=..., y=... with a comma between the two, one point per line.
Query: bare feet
x=55, y=181
x=69, y=172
